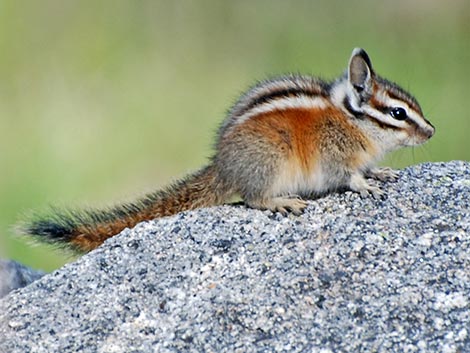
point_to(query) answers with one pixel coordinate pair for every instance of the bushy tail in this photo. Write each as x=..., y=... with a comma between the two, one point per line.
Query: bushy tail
x=86, y=229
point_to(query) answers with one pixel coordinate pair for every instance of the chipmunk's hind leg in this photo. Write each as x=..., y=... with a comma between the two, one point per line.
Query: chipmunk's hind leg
x=254, y=159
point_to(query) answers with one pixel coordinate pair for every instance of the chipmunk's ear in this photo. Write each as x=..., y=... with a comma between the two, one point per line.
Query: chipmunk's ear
x=360, y=72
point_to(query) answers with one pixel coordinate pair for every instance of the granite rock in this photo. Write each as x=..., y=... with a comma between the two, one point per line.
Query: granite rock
x=351, y=274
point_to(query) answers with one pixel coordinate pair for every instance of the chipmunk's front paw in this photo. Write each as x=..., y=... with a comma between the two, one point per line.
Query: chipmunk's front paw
x=281, y=204
x=359, y=184
x=382, y=174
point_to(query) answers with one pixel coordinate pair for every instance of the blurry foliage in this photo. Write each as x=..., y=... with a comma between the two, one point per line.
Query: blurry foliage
x=101, y=101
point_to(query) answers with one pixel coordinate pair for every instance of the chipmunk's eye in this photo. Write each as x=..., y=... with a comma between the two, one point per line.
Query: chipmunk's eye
x=398, y=113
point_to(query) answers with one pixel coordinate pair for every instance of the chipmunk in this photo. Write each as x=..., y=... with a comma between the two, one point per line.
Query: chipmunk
x=285, y=138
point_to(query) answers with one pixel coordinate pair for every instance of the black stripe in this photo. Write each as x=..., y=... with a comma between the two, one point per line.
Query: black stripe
x=289, y=92
x=361, y=116
x=383, y=109
x=381, y=124
x=282, y=93
x=299, y=86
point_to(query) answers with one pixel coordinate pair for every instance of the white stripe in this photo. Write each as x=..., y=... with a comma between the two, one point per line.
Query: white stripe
x=296, y=82
x=284, y=104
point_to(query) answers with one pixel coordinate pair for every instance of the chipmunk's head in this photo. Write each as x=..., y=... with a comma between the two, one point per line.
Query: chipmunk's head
x=386, y=111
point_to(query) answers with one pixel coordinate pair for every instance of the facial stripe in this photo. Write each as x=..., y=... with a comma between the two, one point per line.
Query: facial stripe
x=377, y=109
x=347, y=105
x=379, y=105
x=414, y=117
x=399, y=94
x=385, y=101
x=382, y=124
x=410, y=101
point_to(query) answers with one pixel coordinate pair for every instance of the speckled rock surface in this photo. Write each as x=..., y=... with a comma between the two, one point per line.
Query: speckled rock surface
x=350, y=275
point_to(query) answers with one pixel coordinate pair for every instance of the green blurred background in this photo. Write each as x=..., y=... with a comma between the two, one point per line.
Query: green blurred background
x=101, y=101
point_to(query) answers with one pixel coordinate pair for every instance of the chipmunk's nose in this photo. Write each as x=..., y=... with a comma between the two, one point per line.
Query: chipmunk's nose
x=429, y=131
x=424, y=133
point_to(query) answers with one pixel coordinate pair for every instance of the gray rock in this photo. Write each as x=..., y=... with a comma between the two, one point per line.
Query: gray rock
x=14, y=275
x=350, y=275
